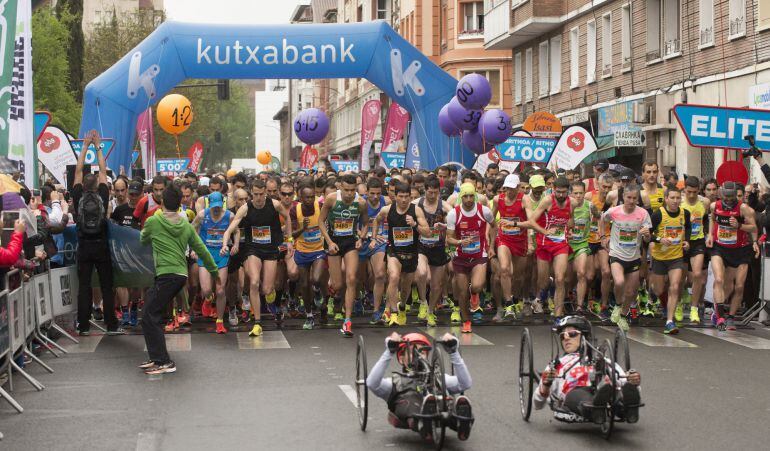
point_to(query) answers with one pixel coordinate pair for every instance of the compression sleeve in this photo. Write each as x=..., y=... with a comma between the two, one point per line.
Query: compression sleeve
x=380, y=386
x=657, y=217
x=687, y=225
x=461, y=381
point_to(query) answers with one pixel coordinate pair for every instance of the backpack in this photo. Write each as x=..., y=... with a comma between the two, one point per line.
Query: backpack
x=91, y=214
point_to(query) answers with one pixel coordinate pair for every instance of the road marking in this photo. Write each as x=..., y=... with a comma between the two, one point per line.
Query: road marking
x=735, y=337
x=271, y=339
x=465, y=339
x=146, y=442
x=650, y=337
x=350, y=393
x=87, y=344
x=177, y=343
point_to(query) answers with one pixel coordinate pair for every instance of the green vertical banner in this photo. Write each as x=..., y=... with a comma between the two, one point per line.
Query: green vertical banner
x=7, y=45
x=21, y=115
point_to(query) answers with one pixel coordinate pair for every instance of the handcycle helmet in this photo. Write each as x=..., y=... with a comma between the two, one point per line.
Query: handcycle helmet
x=578, y=322
x=409, y=342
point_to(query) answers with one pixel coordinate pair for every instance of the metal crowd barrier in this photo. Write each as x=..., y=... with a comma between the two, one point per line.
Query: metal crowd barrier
x=26, y=307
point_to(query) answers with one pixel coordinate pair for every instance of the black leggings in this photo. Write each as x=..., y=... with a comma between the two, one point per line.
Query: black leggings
x=575, y=399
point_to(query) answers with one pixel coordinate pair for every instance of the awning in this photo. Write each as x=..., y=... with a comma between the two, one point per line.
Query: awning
x=605, y=149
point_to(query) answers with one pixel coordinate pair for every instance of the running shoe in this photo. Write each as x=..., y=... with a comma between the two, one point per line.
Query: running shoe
x=172, y=326
x=147, y=364
x=464, y=416
x=98, y=314
x=422, y=313
x=393, y=319
x=622, y=323
x=415, y=294
x=169, y=367
x=510, y=312
x=245, y=303
x=455, y=316
x=580, y=311
x=431, y=320
x=401, y=317
x=184, y=318
x=615, y=316
x=84, y=333
x=358, y=308
x=551, y=305
x=604, y=315
x=408, y=307
x=125, y=320
x=526, y=310
x=245, y=316
x=256, y=331
x=678, y=313
x=233, y=317
x=537, y=306
x=338, y=317
x=221, y=327
x=730, y=323
x=475, y=302
x=671, y=328
x=133, y=318
x=309, y=323
x=270, y=298
x=478, y=316
x=376, y=318
x=631, y=401
x=498, y=318
x=330, y=306
x=347, y=328
x=694, y=316
x=117, y=331
x=467, y=329
x=206, y=309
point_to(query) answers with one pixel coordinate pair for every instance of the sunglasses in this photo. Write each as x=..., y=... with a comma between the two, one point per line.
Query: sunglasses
x=283, y=193
x=569, y=334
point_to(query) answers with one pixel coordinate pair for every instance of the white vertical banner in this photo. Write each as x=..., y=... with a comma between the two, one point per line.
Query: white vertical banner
x=21, y=124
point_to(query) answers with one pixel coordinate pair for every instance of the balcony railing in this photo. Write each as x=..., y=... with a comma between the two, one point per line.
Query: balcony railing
x=671, y=47
x=497, y=22
x=738, y=26
x=707, y=36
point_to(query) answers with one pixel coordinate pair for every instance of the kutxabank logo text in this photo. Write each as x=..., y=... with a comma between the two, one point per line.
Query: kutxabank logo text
x=285, y=53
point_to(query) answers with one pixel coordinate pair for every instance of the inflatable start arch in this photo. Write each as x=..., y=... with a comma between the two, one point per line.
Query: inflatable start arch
x=177, y=51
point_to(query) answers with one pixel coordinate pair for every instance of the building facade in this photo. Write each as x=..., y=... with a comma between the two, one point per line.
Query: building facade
x=98, y=11
x=619, y=67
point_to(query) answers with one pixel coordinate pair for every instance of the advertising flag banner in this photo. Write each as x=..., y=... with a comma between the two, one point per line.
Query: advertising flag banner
x=145, y=134
x=7, y=44
x=21, y=117
x=395, y=125
x=412, y=150
x=308, y=158
x=55, y=152
x=370, y=117
x=722, y=127
x=195, y=155
x=574, y=145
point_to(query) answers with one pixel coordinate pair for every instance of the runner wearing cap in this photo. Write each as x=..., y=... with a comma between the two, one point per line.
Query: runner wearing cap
x=470, y=227
x=511, y=240
x=600, y=167
x=531, y=202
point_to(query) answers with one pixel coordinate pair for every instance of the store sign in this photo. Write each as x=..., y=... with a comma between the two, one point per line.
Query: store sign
x=629, y=138
x=528, y=149
x=616, y=118
x=759, y=96
x=573, y=119
x=543, y=124
x=722, y=127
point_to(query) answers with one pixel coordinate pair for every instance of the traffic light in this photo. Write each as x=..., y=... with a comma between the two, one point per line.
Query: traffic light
x=217, y=137
x=223, y=89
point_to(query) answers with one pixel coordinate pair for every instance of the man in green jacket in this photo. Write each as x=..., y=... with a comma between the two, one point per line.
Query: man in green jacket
x=170, y=234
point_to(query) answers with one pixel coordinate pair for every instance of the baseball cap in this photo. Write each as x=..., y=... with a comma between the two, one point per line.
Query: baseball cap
x=536, y=181
x=511, y=181
x=215, y=199
x=627, y=174
x=135, y=187
x=204, y=181
x=603, y=163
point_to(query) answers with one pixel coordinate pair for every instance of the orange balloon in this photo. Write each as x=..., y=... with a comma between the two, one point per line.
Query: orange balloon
x=231, y=173
x=174, y=113
x=264, y=157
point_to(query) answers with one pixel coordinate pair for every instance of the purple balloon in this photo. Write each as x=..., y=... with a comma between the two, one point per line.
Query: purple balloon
x=495, y=126
x=463, y=118
x=445, y=122
x=311, y=126
x=475, y=142
x=474, y=92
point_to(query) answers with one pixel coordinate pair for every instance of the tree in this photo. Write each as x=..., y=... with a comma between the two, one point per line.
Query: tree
x=74, y=11
x=50, y=39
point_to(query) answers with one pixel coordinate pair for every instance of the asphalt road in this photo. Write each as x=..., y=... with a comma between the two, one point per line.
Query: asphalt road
x=289, y=390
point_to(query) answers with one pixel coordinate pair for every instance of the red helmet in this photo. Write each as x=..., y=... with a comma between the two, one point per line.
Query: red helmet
x=412, y=339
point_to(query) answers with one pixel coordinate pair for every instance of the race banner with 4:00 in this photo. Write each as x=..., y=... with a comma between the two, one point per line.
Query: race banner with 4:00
x=528, y=149
x=171, y=166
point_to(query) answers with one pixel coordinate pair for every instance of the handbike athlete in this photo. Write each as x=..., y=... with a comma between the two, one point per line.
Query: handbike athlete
x=569, y=383
x=406, y=398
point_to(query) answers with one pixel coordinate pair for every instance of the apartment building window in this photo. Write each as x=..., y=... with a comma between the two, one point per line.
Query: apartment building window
x=360, y=13
x=627, y=32
x=591, y=52
x=653, y=30
x=574, y=58
x=555, y=65
x=382, y=9
x=493, y=75
x=542, y=69
x=607, y=45
x=737, y=18
x=706, y=23
x=517, y=80
x=443, y=24
x=763, y=15
x=473, y=17
x=528, y=74
x=671, y=26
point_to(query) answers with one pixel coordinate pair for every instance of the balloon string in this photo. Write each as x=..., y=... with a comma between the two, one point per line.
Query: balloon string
x=178, y=151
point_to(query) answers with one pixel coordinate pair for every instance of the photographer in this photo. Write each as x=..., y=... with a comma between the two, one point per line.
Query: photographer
x=757, y=154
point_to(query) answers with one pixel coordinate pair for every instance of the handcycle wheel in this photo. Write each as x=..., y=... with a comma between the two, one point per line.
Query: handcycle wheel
x=606, y=352
x=620, y=350
x=438, y=388
x=362, y=393
x=526, y=374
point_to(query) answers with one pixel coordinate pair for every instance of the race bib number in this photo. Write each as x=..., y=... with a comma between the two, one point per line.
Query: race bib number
x=433, y=239
x=727, y=235
x=214, y=237
x=242, y=238
x=674, y=233
x=594, y=227
x=370, y=228
x=560, y=232
x=473, y=246
x=627, y=237
x=343, y=227
x=579, y=233
x=403, y=236
x=695, y=226
x=312, y=235
x=261, y=235
x=508, y=229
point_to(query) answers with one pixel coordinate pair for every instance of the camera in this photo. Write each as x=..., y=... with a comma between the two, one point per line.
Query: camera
x=752, y=151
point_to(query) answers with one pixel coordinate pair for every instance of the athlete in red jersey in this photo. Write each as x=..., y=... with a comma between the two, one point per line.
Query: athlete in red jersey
x=552, y=220
x=731, y=250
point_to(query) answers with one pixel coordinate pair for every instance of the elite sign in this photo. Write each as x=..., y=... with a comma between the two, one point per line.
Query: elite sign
x=722, y=127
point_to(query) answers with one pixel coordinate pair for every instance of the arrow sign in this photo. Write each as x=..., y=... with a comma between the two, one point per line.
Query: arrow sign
x=709, y=126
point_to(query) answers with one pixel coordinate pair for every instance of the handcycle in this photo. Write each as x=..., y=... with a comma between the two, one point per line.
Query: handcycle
x=606, y=356
x=430, y=376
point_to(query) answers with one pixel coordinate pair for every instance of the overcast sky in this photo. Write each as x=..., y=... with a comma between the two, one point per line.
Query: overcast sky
x=232, y=11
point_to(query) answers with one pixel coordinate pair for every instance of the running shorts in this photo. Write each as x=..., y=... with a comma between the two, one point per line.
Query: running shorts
x=662, y=267
x=306, y=259
x=437, y=256
x=462, y=265
x=549, y=251
x=408, y=260
x=733, y=257
x=628, y=267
